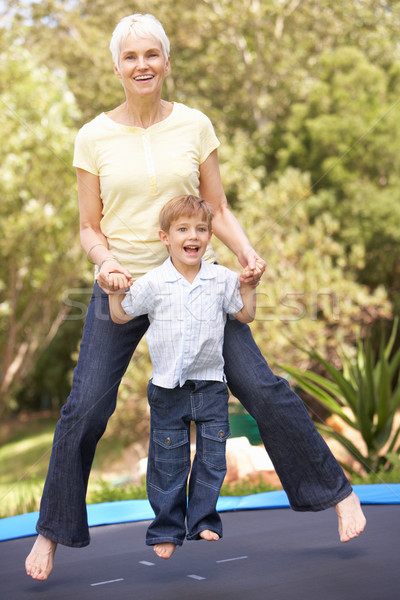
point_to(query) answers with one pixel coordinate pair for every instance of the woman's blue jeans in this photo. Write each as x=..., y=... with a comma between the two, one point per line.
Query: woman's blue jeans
x=310, y=475
x=171, y=412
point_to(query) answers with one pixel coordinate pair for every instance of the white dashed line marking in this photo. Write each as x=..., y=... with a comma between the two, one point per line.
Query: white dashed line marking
x=229, y=559
x=105, y=582
x=151, y=564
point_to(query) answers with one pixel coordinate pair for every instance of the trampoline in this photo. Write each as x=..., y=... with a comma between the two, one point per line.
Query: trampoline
x=266, y=553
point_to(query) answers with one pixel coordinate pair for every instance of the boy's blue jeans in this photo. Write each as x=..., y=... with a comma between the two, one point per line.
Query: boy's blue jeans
x=171, y=412
x=309, y=473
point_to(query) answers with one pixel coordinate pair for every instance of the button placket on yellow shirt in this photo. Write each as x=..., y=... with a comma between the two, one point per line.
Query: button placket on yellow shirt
x=151, y=172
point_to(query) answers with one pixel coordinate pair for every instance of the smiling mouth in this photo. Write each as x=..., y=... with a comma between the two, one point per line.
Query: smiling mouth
x=143, y=78
x=191, y=249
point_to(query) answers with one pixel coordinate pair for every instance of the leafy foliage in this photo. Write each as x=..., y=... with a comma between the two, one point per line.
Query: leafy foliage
x=38, y=212
x=303, y=96
x=307, y=292
x=336, y=132
x=369, y=387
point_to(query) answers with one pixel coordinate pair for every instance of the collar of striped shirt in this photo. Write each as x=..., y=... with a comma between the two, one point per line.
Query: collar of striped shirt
x=171, y=274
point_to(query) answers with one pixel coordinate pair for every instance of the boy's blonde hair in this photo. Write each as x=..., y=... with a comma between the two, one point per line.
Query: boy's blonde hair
x=184, y=206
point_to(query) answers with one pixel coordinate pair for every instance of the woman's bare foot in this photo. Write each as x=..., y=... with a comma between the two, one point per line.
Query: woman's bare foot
x=209, y=535
x=351, y=518
x=39, y=563
x=164, y=549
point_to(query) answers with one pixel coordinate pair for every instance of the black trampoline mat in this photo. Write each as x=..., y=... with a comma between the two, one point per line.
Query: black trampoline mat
x=273, y=554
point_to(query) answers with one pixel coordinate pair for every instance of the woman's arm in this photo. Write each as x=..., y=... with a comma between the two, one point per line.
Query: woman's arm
x=93, y=240
x=225, y=226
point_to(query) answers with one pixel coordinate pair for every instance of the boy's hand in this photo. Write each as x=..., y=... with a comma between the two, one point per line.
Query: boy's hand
x=118, y=282
x=111, y=268
x=253, y=271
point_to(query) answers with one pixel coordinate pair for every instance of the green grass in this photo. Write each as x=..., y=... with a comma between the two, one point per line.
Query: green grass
x=104, y=491
x=246, y=487
x=20, y=497
x=25, y=447
x=381, y=476
x=28, y=457
x=24, y=455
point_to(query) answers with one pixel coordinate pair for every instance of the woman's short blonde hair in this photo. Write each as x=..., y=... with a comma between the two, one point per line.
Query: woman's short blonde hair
x=139, y=26
x=184, y=206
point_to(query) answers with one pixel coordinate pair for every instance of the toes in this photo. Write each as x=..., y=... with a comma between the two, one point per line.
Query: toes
x=34, y=572
x=164, y=550
x=345, y=537
x=350, y=533
x=210, y=536
x=351, y=518
x=39, y=563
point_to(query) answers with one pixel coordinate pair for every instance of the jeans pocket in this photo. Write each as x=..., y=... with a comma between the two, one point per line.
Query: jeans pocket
x=214, y=441
x=171, y=450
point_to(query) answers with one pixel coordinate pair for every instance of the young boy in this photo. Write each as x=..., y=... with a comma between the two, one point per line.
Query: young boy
x=187, y=301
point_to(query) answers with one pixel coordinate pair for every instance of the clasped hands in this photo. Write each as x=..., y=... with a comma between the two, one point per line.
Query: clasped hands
x=115, y=279
x=253, y=268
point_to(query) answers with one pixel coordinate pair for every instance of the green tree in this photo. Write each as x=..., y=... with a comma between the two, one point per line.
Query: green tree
x=271, y=76
x=38, y=212
x=245, y=61
x=308, y=292
x=346, y=133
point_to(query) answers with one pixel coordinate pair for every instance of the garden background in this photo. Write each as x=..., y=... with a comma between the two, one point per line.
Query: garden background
x=305, y=98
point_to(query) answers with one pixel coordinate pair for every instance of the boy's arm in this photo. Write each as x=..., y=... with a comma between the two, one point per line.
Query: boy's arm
x=248, y=312
x=138, y=298
x=118, y=315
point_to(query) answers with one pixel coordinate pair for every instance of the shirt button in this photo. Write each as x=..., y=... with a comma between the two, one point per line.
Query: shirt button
x=221, y=433
x=168, y=441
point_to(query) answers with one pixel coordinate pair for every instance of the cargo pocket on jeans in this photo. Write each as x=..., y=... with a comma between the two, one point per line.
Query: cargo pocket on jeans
x=214, y=441
x=171, y=450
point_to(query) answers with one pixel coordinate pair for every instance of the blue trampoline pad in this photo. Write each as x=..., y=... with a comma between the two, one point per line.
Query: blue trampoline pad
x=128, y=511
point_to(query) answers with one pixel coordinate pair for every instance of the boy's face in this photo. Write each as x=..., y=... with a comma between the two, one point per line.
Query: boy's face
x=187, y=241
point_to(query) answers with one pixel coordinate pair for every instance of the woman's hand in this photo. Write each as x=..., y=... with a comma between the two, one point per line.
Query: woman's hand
x=254, y=267
x=113, y=277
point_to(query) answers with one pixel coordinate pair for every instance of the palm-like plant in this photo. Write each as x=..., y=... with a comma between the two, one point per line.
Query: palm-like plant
x=369, y=385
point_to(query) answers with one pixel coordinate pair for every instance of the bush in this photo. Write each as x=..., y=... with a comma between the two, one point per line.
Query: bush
x=369, y=386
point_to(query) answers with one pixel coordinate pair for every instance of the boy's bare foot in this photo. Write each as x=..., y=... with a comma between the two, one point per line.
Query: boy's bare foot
x=164, y=549
x=39, y=563
x=209, y=535
x=351, y=518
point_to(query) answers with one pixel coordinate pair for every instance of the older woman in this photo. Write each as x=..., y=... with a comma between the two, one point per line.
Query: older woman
x=130, y=162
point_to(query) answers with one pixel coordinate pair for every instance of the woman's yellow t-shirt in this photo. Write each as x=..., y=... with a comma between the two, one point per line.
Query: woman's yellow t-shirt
x=139, y=171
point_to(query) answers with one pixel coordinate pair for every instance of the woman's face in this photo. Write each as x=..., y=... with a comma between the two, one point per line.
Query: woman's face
x=142, y=66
